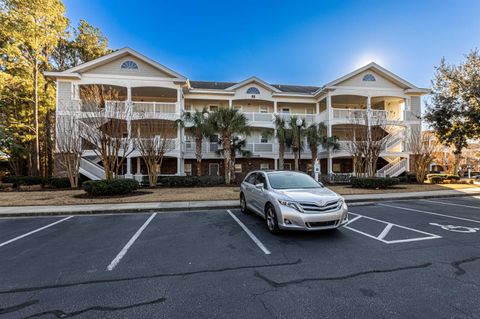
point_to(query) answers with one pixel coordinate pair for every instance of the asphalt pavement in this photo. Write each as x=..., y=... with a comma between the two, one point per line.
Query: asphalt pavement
x=398, y=259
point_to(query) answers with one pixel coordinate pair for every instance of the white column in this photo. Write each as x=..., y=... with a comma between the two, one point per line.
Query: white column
x=139, y=166
x=329, y=132
x=129, y=168
x=275, y=163
x=275, y=108
x=178, y=105
x=329, y=165
x=129, y=94
x=317, y=108
x=230, y=103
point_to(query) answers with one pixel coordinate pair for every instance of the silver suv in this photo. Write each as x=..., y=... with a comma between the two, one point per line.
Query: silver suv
x=292, y=200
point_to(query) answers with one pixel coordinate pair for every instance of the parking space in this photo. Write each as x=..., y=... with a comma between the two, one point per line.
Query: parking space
x=386, y=262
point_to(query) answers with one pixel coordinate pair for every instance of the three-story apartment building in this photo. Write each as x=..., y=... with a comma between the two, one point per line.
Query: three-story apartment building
x=163, y=94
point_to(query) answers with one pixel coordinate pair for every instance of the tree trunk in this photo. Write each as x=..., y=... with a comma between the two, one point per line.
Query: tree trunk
x=35, y=118
x=314, y=150
x=295, y=157
x=456, y=163
x=198, y=154
x=227, y=158
x=281, y=156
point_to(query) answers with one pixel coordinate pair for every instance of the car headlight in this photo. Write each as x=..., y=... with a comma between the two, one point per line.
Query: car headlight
x=290, y=204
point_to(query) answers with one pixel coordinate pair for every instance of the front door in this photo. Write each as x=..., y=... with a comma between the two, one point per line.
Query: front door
x=214, y=169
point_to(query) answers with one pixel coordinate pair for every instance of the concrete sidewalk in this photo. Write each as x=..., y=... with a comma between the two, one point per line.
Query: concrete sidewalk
x=13, y=211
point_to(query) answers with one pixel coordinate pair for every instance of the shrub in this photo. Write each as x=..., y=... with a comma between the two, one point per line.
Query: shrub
x=374, y=182
x=59, y=182
x=441, y=178
x=109, y=188
x=25, y=180
x=335, y=179
x=436, y=179
x=189, y=181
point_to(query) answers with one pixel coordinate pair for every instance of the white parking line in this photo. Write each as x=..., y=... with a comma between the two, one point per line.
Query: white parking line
x=249, y=233
x=387, y=229
x=34, y=231
x=430, y=213
x=452, y=204
x=124, y=250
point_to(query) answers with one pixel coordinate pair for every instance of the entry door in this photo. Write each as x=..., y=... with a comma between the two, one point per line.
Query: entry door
x=214, y=169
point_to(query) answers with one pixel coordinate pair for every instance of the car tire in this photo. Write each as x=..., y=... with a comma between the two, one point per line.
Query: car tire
x=271, y=220
x=243, y=204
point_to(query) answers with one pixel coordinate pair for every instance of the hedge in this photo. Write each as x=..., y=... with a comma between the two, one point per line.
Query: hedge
x=59, y=182
x=25, y=180
x=108, y=188
x=54, y=182
x=440, y=178
x=374, y=182
x=188, y=181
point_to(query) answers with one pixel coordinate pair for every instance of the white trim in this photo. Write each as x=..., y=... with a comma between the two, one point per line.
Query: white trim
x=125, y=51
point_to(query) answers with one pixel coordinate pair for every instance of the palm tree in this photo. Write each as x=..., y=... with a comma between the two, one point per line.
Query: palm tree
x=238, y=148
x=283, y=137
x=199, y=127
x=296, y=133
x=228, y=123
x=316, y=135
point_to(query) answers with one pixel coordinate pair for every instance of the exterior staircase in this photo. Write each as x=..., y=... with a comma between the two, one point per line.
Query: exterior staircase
x=91, y=169
x=394, y=168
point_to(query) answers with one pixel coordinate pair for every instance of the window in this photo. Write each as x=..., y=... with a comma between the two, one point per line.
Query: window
x=238, y=168
x=264, y=166
x=369, y=77
x=287, y=166
x=129, y=65
x=253, y=90
x=286, y=110
x=188, y=169
x=213, y=108
x=251, y=178
x=264, y=137
x=213, y=169
x=263, y=109
x=188, y=144
x=261, y=180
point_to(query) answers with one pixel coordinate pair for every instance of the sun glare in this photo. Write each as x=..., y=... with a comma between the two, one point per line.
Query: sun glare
x=367, y=58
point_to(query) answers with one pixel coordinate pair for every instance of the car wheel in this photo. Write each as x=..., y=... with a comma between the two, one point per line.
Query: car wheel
x=271, y=219
x=243, y=204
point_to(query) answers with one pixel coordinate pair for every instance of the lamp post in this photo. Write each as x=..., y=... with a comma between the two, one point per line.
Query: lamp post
x=299, y=125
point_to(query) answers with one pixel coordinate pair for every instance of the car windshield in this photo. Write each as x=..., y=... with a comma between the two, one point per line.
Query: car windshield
x=291, y=180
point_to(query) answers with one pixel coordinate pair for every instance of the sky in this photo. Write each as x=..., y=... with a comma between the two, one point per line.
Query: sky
x=288, y=42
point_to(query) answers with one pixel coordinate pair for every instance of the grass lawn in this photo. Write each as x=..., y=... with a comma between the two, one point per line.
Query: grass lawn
x=69, y=197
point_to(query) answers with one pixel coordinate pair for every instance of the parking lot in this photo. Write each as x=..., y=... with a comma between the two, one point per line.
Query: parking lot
x=402, y=259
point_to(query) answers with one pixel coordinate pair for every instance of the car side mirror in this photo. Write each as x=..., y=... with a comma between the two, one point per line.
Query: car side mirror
x=259, y=186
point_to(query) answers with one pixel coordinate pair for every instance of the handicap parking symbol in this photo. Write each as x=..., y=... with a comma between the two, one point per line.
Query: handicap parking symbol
x=458, y=229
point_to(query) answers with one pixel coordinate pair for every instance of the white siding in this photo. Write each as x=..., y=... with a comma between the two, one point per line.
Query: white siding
x=113, y=68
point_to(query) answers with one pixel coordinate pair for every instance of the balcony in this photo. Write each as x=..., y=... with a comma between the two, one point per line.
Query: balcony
x=151, y=110
x=307, y=118
x=262, y=119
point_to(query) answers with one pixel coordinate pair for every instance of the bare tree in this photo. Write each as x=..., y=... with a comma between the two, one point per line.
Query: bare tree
x=69, y=145
x=367, y=139
x=106, y=123
x=153, y=139
x=424, y=148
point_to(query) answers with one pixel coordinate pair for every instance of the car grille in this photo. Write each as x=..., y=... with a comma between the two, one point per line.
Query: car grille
x=312, y=207
x=322, y=224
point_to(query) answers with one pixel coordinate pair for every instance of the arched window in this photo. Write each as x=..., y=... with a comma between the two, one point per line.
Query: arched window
x=253, y=90
x=129, y=65
x=368, y=77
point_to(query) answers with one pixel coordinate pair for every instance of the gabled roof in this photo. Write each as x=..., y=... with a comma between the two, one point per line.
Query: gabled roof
x=382, y=71
x=253, y=79
x=112, y=56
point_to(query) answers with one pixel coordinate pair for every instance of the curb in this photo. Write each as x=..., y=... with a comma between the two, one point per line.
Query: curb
x=177, y=207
